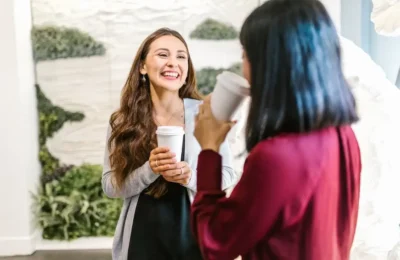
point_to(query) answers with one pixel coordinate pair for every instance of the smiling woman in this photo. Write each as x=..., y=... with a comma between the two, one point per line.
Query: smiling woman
x=157, y=188
x=166, y=64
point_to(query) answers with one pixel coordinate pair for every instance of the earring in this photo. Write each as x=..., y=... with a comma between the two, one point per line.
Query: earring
x=143, y=78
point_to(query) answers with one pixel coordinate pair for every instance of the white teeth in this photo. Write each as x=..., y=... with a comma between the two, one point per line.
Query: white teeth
x=170, y=74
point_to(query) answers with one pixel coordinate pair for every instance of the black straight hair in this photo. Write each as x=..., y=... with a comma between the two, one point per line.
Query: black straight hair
x=297, y=83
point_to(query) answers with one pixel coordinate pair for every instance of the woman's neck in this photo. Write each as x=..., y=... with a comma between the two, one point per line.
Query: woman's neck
x=166, y=103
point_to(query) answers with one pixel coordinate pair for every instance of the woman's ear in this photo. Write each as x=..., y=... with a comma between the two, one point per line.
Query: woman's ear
x=143, y=69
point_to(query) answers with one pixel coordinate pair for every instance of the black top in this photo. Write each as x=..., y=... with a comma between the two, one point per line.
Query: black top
x=161, y=227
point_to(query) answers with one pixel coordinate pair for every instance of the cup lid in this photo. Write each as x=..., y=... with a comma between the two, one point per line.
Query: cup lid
x=234, y=82
x=170, y=130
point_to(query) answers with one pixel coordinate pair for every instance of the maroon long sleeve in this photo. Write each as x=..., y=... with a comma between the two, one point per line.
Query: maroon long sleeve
x=297, y=199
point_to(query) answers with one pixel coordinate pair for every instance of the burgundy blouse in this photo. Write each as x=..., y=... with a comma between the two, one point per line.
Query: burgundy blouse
x=297, y=199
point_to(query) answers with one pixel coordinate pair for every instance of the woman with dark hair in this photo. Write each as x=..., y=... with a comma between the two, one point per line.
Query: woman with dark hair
x=299, y=192
x=157, y=190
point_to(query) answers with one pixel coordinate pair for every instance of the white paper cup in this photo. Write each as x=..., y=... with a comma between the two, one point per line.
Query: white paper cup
x=229, y=93
x=171, y=137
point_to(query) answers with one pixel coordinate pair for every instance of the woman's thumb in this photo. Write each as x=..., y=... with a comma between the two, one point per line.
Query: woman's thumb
x=229, y=125
x=232, y=123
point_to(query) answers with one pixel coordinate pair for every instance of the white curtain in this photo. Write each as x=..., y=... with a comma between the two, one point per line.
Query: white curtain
x=386, y=17
x=377, y=234
x=378, y=100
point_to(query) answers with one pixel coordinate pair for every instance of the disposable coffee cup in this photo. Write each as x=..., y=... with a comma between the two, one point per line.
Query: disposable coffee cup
x=171, y=137
x=229, y=93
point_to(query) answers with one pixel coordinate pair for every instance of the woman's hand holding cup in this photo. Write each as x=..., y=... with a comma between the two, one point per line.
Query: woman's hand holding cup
x=180, y=173
x=162, y=159
x=210, y=132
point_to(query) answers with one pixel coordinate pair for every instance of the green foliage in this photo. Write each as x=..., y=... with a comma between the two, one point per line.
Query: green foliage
x=52, y=42
x=75, y=206
x=49, y=163
x=206, y=78
x=70, y=203
x=51, y=119
x=211, y=29
x=236, y=68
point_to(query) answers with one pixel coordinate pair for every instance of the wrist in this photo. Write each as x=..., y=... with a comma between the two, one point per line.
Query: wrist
x=213, y=147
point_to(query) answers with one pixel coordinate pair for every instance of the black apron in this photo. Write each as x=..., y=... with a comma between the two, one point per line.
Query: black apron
x=161, y=227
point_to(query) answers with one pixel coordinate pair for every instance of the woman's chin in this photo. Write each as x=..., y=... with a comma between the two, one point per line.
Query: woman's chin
x=171, y=87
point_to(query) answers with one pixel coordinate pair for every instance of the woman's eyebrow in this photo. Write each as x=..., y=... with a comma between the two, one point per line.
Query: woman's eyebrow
x=162, y=49
x=167, y=50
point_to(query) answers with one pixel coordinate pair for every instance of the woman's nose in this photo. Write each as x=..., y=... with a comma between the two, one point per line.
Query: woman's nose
x=172, y=62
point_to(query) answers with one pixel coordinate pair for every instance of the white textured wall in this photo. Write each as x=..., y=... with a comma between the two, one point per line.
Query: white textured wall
x=18, y=133
x=92, y=85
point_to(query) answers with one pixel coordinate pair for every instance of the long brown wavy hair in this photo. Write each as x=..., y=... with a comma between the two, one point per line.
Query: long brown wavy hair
x=133, y=127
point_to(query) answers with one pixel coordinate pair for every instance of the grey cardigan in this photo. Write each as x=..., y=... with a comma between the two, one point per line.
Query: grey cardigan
x=142, y=177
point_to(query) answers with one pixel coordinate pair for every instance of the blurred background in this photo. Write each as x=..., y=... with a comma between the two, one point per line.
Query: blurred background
x=63, y=64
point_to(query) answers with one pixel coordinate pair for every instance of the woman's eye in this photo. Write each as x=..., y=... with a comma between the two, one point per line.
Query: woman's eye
x=162, y=55
x=181, y=57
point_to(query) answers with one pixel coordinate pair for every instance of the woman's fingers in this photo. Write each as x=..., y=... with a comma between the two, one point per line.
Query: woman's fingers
x=161, y=159
x=157, y=163
x=163, y=168
x=172, y=173
x=207, y=99
x=181, y=173
x=158, y=150
x=162, y=162
x=207, y=105
x=181, y=179
x=163, y=156
x=180, y=168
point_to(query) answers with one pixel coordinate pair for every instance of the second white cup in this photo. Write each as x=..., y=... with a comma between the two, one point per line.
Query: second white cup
x=229, y=93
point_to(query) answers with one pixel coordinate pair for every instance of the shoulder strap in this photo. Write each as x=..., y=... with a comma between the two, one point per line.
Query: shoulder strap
x=183, y=149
